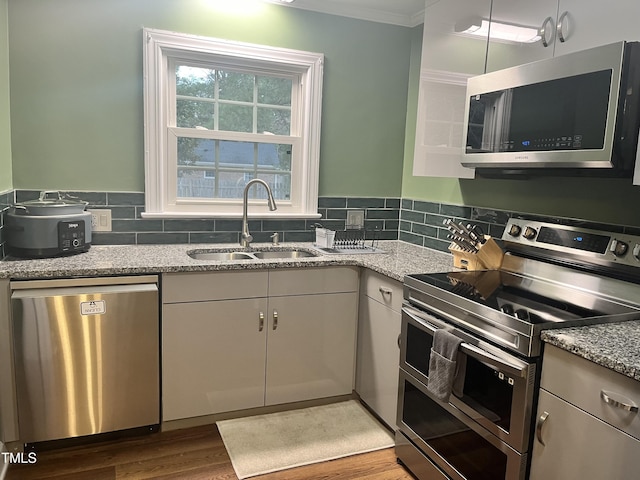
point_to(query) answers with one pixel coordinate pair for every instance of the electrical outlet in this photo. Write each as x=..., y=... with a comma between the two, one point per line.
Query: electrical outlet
x=100, y=220
x=355, y=219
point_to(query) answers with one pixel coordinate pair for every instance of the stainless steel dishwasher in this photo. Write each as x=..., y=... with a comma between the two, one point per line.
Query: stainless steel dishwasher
x=86, y=356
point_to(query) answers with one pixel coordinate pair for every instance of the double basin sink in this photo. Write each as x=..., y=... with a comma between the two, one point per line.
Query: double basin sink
x=258, y=255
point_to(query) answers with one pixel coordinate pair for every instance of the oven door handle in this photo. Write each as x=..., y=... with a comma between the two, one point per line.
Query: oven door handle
x=471, y=350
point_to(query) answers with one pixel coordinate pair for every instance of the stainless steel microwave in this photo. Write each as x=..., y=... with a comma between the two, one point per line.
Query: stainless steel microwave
x=578, y=112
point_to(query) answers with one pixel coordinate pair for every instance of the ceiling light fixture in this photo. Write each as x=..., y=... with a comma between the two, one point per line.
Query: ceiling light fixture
x=496, y=30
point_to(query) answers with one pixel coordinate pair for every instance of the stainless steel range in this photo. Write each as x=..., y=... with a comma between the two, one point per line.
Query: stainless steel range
x=552, y=276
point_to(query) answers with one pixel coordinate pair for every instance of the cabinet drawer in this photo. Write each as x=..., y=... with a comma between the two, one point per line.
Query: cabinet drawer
x=579, y=446
x=310, y=281
x=203, y=286
x=580, y=382
x=382, y=289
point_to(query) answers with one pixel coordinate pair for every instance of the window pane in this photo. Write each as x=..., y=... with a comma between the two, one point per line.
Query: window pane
x=237, y=154
x=274, y=120
x=274, y=91
x=280, y=185
x=236, y=86
x=232, y=184
x=277, y=157
x=192, y=114
x=196, y=151
x=195, y=81
x=221, y=169
x=236, y=118
x=195, y=183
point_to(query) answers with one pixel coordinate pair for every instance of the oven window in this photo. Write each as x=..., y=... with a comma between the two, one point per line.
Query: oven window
x=419, y=345
x=470, y=454
x=488, y=392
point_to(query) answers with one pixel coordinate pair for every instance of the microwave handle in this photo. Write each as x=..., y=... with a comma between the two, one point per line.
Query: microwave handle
x=547, y=26
x=467, y=348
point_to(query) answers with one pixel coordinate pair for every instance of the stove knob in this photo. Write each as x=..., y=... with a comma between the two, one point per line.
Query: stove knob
x=529, y=233
x=620, y=249
x=515, y=230
x=522, y=314
x=636, y=251
x=506, y=308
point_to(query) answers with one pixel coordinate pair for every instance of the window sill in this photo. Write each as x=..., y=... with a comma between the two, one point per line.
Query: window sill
x=252, y=216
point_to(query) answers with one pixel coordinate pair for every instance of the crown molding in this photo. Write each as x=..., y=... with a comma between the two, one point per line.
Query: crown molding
x=353, y=10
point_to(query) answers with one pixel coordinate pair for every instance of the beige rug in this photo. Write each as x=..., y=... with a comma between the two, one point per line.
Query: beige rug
x=278, y=441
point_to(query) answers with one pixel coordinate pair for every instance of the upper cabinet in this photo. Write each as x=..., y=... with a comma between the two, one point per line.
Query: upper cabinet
x=591, y=24
x=562, y=26
x=463, y=38
x=521, y=31
x=448, y=59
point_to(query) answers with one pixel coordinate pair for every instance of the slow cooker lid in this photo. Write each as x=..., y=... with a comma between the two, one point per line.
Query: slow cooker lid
x=52, y=199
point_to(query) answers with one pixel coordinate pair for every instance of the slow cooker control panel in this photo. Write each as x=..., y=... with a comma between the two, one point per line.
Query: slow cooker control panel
x=620, y=248
x=71, y=236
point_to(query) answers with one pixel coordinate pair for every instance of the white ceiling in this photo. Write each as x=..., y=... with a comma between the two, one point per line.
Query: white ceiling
x=408, y=13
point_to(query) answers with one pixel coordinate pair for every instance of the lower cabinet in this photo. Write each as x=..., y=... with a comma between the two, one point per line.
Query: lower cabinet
x=213, y=357
x=311, y=349
x=292, y=344
x=378, y=352
x=581, y=433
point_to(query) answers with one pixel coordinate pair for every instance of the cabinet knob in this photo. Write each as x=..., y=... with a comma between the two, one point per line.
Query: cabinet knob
x=275, y=319
x=261, y=322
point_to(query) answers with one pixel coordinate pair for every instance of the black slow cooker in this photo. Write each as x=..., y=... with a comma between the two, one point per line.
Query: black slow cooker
x=50, y=226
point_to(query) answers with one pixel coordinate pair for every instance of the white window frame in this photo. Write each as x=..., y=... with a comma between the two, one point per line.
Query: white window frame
x=164, y=48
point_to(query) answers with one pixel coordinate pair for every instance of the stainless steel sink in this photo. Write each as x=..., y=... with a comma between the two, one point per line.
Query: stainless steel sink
x=228, y=256
x=284, y=254
x=220, y=256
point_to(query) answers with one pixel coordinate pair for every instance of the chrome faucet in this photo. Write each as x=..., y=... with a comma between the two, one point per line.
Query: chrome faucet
x=246, y=238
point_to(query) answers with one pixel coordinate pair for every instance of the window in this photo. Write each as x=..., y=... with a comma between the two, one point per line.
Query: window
x=220, y=113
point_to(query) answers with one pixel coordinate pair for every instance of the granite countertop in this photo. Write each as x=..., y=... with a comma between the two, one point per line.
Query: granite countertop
x=615, y=346
x=398, y=260
x=612, y=345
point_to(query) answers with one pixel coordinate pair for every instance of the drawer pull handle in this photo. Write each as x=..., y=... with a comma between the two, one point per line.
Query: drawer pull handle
x=606, y=396
x=385, y=291
x=261, y=322
x=539, y=425
x=275, y=319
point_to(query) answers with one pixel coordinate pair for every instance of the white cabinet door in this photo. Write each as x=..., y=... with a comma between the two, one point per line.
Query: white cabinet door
x=311, y=347
x=578, y=446
x=378, y=356
x=213, y=357
x=448, y=59
x=593, y=23
x=530, y=18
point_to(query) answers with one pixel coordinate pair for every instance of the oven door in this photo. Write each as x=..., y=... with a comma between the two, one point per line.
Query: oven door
x=462, y=449
x=494, y=389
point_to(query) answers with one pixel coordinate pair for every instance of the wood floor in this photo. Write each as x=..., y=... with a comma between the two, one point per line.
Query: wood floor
x=195, y=453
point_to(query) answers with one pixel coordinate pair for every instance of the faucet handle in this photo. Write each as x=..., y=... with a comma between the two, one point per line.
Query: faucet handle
x=275, y=238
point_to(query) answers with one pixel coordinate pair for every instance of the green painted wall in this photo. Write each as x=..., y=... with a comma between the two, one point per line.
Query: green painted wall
x=596, y=199
x=76, y=101
x=5, y=129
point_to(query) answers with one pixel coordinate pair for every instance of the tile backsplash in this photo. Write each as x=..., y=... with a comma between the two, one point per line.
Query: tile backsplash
x=128, y=226
x=414, y=221
x=421, y=222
